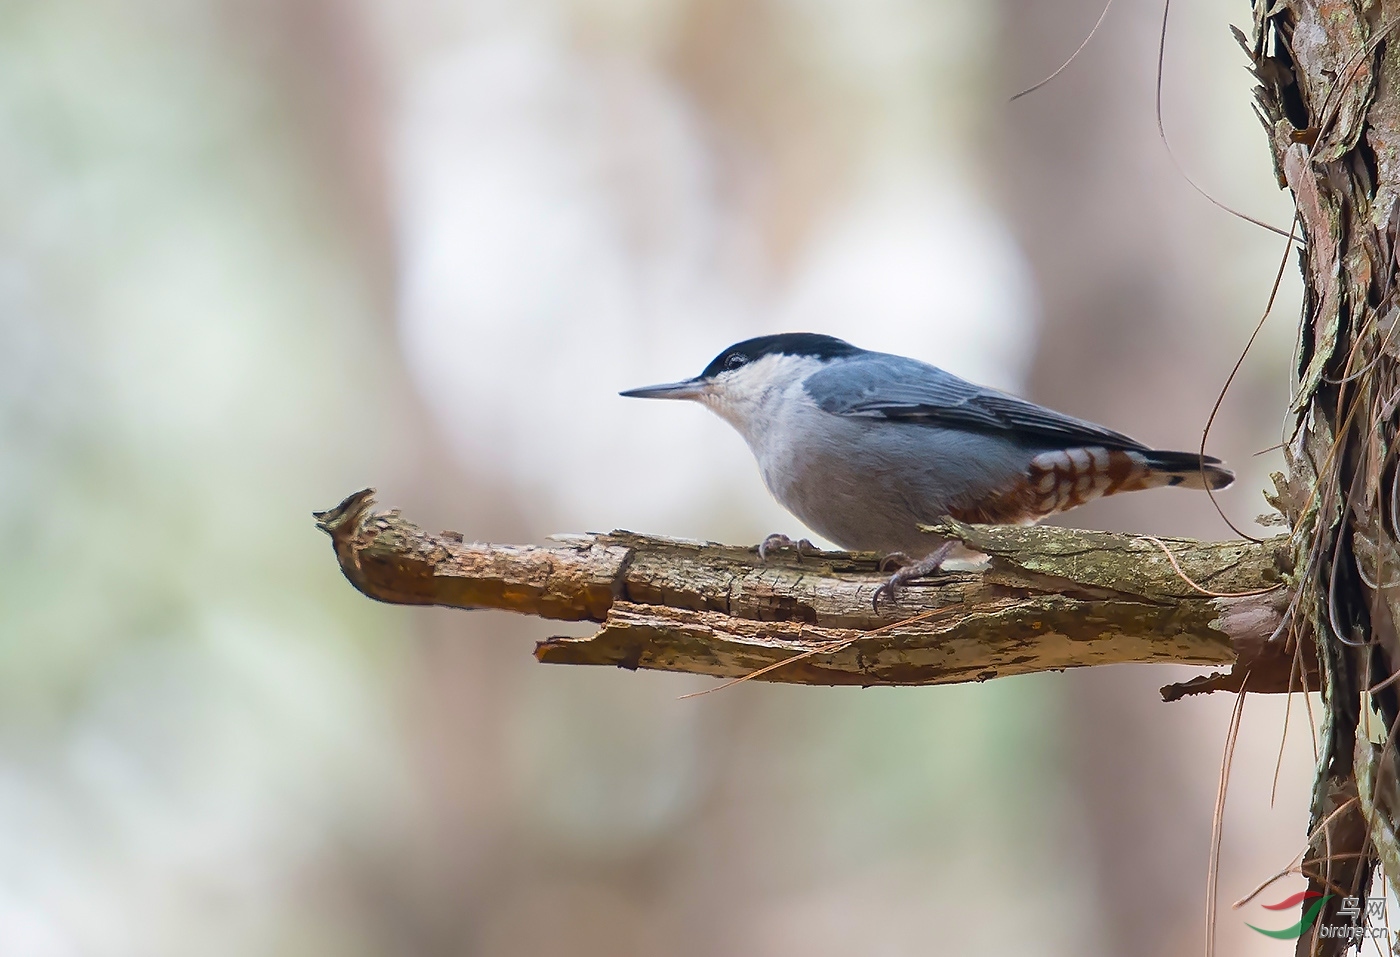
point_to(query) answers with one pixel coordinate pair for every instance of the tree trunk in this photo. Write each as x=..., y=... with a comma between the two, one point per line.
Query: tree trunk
x=1328, y=97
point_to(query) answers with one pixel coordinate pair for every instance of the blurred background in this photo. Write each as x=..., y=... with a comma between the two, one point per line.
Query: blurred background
x=255, y=255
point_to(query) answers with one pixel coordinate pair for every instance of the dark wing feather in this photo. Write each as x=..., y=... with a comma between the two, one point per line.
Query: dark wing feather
x=878, y=385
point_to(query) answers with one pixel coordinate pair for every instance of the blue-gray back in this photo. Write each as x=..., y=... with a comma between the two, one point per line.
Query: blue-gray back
x=878, y=385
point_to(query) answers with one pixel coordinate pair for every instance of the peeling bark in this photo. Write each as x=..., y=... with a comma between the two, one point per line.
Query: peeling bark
x=1329, y=98
x=1046, y=599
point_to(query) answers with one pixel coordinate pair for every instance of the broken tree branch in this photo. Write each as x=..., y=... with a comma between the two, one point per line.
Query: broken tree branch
x=1047, y=599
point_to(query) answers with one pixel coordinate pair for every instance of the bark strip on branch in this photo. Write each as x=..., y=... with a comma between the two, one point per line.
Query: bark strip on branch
x=1047, y=599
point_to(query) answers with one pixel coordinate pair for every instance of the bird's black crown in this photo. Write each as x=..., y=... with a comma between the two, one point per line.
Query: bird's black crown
x=810, y=344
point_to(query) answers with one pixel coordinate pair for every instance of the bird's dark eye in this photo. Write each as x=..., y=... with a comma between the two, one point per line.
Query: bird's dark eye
x=735, y=361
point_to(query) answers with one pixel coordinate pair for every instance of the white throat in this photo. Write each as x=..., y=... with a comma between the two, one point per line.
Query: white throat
x=754, y=396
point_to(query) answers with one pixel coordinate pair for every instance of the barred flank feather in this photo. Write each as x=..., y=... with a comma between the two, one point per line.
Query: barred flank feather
x=1063, y=479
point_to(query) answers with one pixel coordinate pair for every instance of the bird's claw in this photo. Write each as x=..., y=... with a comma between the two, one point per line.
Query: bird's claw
x=887, y=589
x=908, y=571
x=779, y=540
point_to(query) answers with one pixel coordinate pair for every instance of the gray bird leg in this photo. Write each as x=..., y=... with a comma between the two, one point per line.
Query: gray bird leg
x=779, y=540
x=920, y=569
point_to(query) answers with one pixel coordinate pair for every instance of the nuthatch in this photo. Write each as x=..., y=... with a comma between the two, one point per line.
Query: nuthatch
x=863, y=447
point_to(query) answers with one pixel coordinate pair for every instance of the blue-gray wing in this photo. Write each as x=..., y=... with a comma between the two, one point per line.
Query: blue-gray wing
x=882, y=386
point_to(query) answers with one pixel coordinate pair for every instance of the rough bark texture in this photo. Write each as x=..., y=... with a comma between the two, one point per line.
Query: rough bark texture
x=1328, y=97
x=1047, y=599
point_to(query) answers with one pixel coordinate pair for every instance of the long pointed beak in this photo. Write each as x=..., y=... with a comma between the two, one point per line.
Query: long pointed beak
x=687, y=389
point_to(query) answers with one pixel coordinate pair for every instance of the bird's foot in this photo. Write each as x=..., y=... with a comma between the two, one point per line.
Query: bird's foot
x=777, y=541
x=907, y=572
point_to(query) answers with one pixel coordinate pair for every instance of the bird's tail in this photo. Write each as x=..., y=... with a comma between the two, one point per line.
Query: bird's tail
x=1186, y=470
x=1058, y=480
